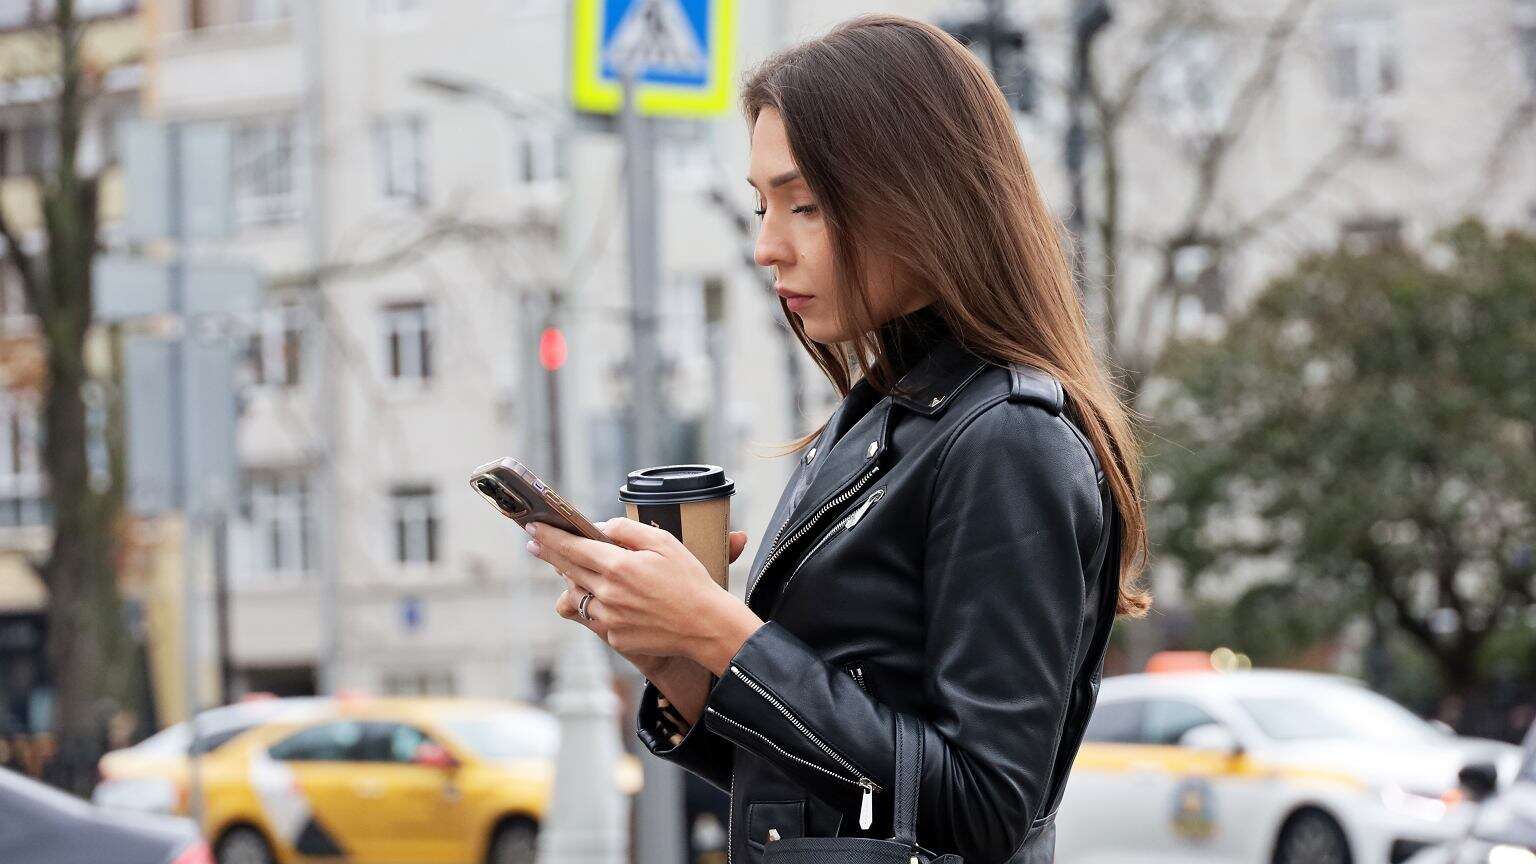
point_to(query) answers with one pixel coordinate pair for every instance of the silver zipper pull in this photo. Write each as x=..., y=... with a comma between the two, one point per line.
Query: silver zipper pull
x=773, y=834
x=858, y=514
x=866, y=804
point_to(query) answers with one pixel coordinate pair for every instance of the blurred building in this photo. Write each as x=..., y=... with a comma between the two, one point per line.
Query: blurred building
x=408, y=181
x=406, y=176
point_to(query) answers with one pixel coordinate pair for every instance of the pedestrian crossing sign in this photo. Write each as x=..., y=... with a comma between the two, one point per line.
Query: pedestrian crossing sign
x=683, y=52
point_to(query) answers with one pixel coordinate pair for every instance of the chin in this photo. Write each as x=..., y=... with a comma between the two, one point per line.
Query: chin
x=821, y=332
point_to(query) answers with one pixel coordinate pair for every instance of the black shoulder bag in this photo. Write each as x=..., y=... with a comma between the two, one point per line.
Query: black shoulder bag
x=900, y=849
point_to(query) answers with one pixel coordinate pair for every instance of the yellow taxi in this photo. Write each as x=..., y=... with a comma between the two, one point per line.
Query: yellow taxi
x=400, y=780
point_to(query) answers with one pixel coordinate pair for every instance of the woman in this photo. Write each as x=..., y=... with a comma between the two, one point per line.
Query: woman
x=957, y=538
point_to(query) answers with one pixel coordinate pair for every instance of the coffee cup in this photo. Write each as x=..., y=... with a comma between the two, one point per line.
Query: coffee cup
x=690, y=502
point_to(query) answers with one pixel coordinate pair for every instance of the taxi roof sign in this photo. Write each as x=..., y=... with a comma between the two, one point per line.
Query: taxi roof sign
x=685, y=51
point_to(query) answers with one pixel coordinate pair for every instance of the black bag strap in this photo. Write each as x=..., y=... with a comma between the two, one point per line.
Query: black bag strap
x=909, y=775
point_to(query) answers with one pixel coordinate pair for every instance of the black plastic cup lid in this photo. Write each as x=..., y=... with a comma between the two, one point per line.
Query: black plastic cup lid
x=675, y=484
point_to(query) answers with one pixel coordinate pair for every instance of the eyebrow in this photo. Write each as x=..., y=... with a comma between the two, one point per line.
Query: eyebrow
x=779, y=180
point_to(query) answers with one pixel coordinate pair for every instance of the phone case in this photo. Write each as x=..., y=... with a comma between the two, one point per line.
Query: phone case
x=521, y=496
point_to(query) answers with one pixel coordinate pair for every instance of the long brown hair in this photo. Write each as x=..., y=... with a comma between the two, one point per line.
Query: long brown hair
x=910, y=150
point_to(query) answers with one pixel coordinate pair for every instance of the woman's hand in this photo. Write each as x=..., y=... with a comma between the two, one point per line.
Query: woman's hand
x=653, y=601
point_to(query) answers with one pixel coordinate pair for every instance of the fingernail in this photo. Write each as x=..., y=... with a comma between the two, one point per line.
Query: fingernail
x=530, y=529
x=534, y=547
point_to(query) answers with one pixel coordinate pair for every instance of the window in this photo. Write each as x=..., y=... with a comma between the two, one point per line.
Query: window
x=277, y=346
x=391, y=742
x=1334, y=712
x=438, y=682
x=399, y=149
x=1190, y=86
x=279, y=507
x=266, y=183
x=513, y=735
x=26, y=13
x=415, y=524
x=21, y=475
x=262, y=11
x=1363, y=54
x=398, y=13
x=408, y=342
x=686, y=157
x=1167, y=720
x=13, y=300
x=15, y=13
x=39, y=148
x=1116, y=722
x=539, y=156
x=1525, y=38
x=328, y=742
x=1371, y=234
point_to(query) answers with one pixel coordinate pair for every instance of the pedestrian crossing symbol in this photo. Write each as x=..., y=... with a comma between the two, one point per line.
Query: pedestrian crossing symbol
x=682, y=52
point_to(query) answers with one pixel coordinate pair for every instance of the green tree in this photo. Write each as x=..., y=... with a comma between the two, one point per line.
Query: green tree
x=1367, y=431
x=89, y=649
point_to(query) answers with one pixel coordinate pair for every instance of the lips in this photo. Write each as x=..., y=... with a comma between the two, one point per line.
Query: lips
x=788, y=294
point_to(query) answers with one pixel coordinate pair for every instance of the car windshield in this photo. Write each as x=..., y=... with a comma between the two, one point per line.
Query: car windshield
x=508, y=736
x=1337, y=712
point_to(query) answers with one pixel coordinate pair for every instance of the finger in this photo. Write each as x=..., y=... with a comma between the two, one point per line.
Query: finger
x=586, y=577
x=738, y=544
x=592, y=554
x=640, y=536
x=568, y=606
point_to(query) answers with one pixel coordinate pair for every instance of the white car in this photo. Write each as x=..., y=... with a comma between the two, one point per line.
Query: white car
x=1504, y=828
x=1262, y=767
x=152, y=775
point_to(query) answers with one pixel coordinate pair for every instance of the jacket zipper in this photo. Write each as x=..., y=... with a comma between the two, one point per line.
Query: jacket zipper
x=858, y=675
x=868, y=786
x=845, y=525
x=778, y=549
x=730, y=813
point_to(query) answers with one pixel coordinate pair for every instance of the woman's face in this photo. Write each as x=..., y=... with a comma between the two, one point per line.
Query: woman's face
x=794, y=240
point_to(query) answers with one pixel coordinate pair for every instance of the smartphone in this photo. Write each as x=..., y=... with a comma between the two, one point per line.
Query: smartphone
x=522, y=497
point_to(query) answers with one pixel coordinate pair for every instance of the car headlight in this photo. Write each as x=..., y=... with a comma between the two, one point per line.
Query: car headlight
x=1504, y=854
x=1423, y=805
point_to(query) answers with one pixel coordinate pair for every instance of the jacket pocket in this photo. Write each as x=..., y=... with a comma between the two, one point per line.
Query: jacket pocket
x=785, y=819
x=842, y=525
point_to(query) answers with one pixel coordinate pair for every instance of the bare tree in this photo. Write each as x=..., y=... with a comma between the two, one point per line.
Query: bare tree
x=1121, y=99
x=87, y=638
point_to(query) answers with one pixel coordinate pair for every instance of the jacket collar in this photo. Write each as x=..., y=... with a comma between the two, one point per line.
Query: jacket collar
x=831, y=471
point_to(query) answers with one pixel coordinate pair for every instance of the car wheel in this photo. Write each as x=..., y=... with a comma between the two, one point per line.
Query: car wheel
x=515, y=843
x=1312, y=837
x=244, y=846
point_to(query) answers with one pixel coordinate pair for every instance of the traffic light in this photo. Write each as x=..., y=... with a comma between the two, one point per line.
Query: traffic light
x=551, y=349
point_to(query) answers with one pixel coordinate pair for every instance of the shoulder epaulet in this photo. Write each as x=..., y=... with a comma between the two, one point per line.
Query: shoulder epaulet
x=1028, y=384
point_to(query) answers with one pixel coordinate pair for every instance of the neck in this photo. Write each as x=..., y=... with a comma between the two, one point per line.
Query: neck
x=908, y=337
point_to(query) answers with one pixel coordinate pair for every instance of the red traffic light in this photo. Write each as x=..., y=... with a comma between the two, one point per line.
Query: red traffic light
x=551, y=348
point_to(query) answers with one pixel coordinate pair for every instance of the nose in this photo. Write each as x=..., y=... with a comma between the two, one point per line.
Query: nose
x=772, y=248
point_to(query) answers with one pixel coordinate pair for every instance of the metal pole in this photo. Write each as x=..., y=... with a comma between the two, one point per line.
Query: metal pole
x=659, y=808
x=328, y=397
x=644, y=275
x=1076, y=219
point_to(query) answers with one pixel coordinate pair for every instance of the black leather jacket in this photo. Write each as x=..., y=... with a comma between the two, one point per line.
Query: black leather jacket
x=953, y=556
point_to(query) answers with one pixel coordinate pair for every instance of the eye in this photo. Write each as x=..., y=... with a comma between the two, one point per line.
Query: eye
x=803, y=208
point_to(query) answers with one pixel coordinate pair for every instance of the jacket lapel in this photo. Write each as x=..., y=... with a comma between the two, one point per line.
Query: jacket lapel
x=934, y=381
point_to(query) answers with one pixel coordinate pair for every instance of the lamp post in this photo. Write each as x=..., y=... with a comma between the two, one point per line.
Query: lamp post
x=1089, y=18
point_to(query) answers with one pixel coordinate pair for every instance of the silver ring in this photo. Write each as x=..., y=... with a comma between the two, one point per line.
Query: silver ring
x=581, y=607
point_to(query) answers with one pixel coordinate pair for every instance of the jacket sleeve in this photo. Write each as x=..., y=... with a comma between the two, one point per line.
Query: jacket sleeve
x=1014, y=517
x=667, y=734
